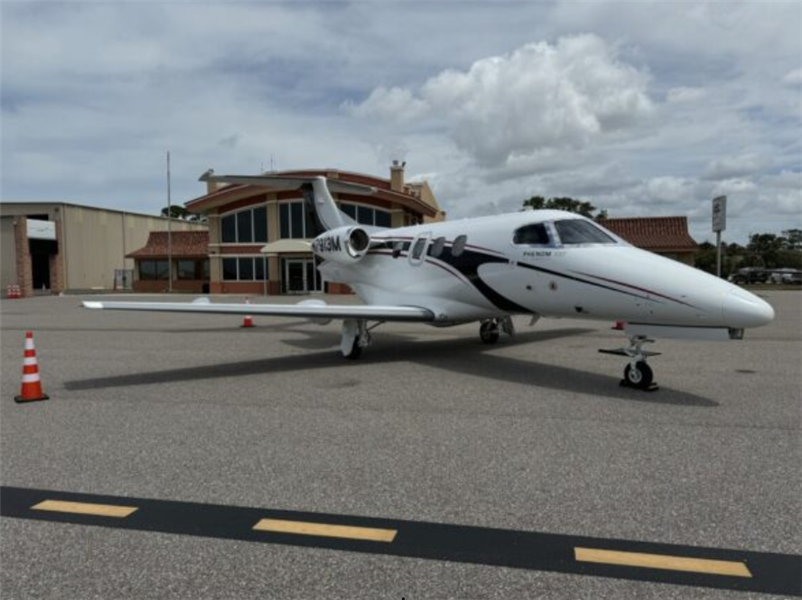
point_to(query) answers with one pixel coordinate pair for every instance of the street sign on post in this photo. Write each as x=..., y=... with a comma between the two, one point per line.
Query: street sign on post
x=720, y=213
x=719, y=225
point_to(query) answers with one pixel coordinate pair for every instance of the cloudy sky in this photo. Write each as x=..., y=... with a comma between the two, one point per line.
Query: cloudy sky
x=643, y=108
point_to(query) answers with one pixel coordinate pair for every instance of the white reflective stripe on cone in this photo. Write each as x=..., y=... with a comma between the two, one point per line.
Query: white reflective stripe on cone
x=30, y=378
x=29, y=344
x=29, y=360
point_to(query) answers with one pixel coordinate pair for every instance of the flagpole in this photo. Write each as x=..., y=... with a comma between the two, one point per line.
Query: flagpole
x=169, y=231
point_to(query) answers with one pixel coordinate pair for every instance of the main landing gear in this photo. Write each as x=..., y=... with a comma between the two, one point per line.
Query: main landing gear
x=490, y=329
x=355, y=336
x=637, y=373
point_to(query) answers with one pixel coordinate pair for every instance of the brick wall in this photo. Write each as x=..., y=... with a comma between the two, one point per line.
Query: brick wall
x=56, y=264
x=23, y=252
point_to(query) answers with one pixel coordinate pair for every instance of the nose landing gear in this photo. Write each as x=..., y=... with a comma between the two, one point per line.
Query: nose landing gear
x=637, y=373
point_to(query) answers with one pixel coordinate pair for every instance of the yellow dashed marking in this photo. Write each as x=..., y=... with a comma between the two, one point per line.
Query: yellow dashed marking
x=662, y=561
x=85, y=508
x=323, y=530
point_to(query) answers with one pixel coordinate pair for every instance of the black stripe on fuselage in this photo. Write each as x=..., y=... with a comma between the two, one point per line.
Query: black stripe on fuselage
x=466, y=264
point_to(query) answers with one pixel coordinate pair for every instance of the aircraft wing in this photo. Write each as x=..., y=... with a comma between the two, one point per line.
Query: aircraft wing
x=306, y=309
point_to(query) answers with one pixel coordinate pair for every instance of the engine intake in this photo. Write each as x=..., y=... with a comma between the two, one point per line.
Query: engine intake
x=344, y=245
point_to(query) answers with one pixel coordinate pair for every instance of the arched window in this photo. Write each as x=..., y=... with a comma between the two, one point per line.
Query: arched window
x=245, y=226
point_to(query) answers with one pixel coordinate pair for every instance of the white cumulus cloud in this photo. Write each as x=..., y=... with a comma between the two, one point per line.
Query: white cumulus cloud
x=541, y=96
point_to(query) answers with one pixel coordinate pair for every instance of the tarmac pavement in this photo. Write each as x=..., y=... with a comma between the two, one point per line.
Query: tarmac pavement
x=430, y=428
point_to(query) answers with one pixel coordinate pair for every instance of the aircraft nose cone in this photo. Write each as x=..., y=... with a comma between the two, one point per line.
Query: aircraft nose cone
x=742, y=309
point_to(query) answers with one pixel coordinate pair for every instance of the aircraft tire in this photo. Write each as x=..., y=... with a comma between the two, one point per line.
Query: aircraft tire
x=639, y=376
x=488, y=332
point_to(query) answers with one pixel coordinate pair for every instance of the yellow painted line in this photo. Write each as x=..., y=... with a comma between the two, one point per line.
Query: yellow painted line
x=85, y=508
x=320, y=529
x=663, y=561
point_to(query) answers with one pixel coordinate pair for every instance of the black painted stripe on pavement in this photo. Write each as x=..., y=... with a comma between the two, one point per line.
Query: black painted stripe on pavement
x=770, y=572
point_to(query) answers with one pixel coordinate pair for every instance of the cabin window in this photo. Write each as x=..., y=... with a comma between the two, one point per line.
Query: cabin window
x=398, y=247
x=579, y=231
x=438, y=246
x=417, y=250
x=535, y=233
x=458, y=247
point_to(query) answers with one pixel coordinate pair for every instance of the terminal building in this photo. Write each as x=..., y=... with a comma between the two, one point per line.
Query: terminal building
x=259, y=241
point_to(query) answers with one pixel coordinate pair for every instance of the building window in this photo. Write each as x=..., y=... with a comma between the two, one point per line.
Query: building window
x=185, y=269
x=293, y=222
x=247, y=268
x=192, y=269
x=245, y=227
x=366, y=215
x=153, y=270
x=229, y=269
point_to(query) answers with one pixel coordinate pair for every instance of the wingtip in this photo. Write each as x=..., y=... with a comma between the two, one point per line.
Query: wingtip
x=93, y=304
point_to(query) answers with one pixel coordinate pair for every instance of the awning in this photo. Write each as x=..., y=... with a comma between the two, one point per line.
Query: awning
x=287, y=247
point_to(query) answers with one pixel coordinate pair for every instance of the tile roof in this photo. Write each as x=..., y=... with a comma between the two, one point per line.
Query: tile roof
x=653, y=233
x=409, y=197
x=185, y=244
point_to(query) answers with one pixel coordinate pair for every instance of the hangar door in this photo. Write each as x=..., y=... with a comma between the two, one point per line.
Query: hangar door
x=42, y=245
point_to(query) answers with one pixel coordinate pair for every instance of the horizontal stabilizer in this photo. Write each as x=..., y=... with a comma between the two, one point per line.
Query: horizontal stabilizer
x=327, y=311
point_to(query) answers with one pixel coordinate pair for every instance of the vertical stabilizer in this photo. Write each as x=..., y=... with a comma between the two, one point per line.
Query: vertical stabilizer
x=328, y=216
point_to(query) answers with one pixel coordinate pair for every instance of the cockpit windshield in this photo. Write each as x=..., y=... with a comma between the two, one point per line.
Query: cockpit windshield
x=579, y=231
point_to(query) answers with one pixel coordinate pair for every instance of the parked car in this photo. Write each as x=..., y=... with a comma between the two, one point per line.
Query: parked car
x=787, y=276
x=750, y=275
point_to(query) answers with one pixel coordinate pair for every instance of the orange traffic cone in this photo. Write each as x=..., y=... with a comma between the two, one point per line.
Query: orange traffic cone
x=248, y=320
x=31, y=384
x=618, y=326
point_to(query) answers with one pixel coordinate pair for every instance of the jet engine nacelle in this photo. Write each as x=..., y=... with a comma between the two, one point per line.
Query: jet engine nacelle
x=344, y=245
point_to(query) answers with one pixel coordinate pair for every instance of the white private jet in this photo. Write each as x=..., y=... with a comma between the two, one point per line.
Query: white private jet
x=540, y=263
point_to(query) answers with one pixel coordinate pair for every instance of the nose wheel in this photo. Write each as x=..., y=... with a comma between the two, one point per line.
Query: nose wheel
x=637, y=374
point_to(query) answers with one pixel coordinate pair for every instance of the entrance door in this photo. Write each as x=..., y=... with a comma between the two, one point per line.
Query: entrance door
x=40, y=265
x=301, y=276
x=295, y=276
